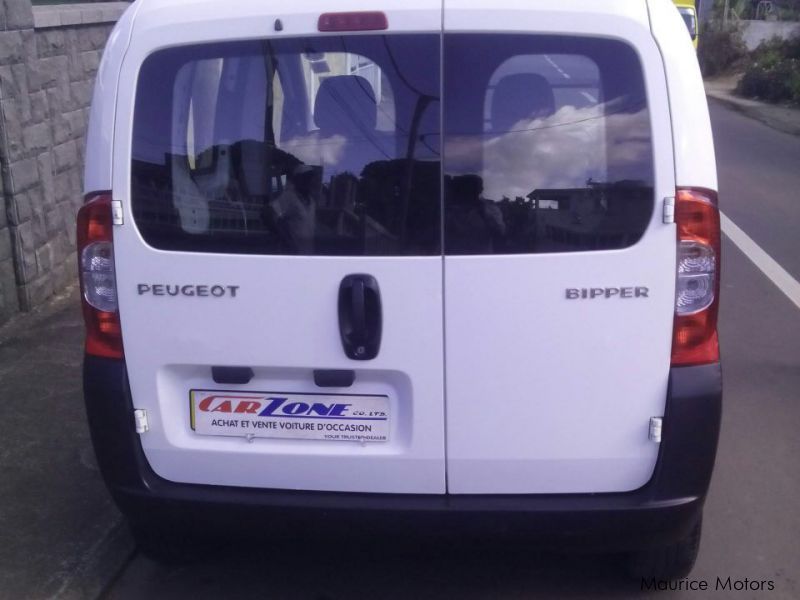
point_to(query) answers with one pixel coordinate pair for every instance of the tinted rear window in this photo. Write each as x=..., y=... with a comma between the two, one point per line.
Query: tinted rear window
x=296, y=146
x=547, y=145
x=332, y=146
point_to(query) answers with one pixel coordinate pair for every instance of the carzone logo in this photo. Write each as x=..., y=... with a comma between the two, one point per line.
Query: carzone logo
x=275, y=406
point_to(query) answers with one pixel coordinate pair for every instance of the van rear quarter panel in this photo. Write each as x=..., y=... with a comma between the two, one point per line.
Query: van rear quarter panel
x=100, y=133
x=695, y=164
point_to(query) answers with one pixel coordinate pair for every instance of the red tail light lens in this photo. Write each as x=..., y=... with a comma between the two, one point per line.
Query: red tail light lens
x=98, y=279
x=353, y=21
x=695, y=338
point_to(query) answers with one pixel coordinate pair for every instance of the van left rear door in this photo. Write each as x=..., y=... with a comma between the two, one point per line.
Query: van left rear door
x=258, y=173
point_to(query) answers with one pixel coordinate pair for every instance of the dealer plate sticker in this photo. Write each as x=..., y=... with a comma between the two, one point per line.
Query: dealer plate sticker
x=331, y=417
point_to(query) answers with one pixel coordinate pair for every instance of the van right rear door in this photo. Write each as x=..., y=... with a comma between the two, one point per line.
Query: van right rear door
x=559, y=272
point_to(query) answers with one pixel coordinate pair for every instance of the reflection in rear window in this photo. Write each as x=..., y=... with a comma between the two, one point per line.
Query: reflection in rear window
x=325, y=146
x=333, y=146
x=547, y=145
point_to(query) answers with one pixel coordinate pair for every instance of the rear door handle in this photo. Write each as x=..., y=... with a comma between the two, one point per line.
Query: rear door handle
x=360, y=316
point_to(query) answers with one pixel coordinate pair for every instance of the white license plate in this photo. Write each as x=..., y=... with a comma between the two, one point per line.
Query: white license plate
x=330, y=417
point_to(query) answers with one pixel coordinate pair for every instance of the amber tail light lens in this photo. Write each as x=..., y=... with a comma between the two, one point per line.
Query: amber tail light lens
x=98, y=278
x=695, y=339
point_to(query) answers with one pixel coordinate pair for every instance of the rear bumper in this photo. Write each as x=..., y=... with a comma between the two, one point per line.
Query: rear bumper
x=664, y=510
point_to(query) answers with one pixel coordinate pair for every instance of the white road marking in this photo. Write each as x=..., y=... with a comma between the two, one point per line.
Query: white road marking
x=768, y=265
x=556, y=67
x=589, y=97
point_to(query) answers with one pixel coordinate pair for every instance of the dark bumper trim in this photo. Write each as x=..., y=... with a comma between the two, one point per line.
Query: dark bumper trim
x=663, y=510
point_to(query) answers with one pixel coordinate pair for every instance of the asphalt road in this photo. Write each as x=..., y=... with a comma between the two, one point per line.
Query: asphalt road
x=752, y=522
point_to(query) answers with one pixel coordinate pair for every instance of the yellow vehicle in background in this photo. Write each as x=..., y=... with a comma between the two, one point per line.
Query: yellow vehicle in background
x=688, y=10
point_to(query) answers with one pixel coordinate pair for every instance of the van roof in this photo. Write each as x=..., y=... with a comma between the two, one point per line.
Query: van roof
x=161, y=12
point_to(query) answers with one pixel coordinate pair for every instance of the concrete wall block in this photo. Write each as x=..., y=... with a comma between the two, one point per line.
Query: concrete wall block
x=50, y=42
x=11, y=47
x=29, y=43
x=34, y=293
x=71, y=228
x=98, y=35
x=9, y=86
x=65, y=251
x=9, y=305
x=14, y=148
x=81, y=143
x=48, y=18
x=71, y=266
x=25, y=251
x=63, y=128
x=20, y=71
x=38, y=226
x=18, y=14
x=64, y=244
x=54, y=222
x=5, y=244
x=65, y=156
x=40, y=112
x=91, y=62
x=83, y=40
x=78, y=121
x=44, y=162
x=55, y=102
x=92, y=14
x=64, y=190
x=59, y=276
x=75, y=64
x=49, y=71
x=24, y=174
x=37, y=138
x=82, y=92
x=20, y=209
x=76, y=186
x=44, y=257
x=68, y=214
x=71, y=17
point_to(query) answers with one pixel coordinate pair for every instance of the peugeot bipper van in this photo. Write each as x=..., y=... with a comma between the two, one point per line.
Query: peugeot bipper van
x=408, y=261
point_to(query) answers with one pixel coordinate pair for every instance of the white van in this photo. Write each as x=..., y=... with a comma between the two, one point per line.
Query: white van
x=455, y=261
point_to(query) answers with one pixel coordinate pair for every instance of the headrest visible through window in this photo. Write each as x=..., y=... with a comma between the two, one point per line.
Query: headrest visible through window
x=345, y=105
x=518, y=97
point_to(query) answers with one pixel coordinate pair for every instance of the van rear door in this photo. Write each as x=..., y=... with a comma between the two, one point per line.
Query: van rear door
x=279, y=265
x=559, y=272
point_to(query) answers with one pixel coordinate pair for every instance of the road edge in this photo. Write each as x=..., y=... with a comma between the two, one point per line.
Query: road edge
x=777, y=117
x=100, y=566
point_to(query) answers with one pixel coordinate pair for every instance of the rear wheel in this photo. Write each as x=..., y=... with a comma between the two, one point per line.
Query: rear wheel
x=672, y=561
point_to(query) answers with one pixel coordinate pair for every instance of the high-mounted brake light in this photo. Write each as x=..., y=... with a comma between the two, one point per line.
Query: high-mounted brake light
x=353, y=21
x=694, y=339
x=98, y=279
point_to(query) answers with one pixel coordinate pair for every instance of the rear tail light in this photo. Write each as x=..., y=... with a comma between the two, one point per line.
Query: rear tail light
x=694, y=339
x=353, y=21
x=98, y=279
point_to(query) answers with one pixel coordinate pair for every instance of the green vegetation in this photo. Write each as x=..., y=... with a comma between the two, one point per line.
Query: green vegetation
x=721, y=49
x=773, y=72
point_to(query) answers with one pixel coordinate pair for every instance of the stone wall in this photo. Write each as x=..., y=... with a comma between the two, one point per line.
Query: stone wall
x=48, y=60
